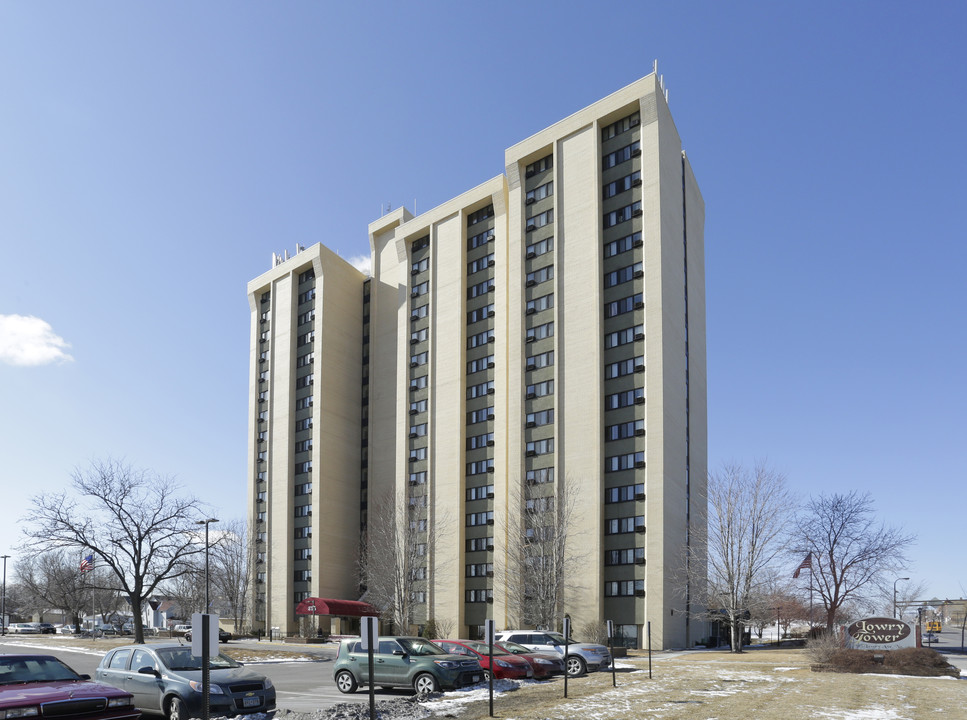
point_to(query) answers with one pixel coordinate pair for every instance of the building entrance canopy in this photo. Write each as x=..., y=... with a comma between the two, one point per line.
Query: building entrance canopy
x=339, y=608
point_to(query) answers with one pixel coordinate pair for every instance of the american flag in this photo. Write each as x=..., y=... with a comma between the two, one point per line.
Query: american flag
x=806, y=564
x=87, y=563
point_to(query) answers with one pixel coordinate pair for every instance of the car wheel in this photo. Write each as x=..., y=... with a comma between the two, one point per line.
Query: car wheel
x=425, y=683
x=575, y=666
x=345, y=682
x=188, y=636
x=176, y=709
x=486, y=676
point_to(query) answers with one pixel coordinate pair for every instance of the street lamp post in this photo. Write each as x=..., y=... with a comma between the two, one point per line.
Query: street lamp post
x=3, y=604
x=206, y=523
x=894, y=594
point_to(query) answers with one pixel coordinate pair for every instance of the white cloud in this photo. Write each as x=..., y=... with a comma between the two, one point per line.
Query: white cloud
x=363, y=263
x=26, y=340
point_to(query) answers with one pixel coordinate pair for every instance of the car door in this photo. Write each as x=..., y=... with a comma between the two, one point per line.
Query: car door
x=146, y=687
x=391, y=664
x=114, y=670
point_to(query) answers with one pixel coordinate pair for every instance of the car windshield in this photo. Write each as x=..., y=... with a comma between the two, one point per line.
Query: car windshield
x=484, y=649
x=513, y=647
x=416, y=646
x=34, y=669
x=180, y=658
x=558, y=638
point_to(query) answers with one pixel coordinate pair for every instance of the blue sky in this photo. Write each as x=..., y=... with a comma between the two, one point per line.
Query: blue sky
x=154, y=155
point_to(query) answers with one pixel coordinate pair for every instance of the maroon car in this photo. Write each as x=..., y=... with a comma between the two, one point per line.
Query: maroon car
x=43, y=686
x=506, y=666
x=545, y=665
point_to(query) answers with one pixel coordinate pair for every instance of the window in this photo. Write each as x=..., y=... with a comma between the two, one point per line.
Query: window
x=304, y=381
x=418, y=430
x=479, y=596
x=482, y=214
x=539, y=332
x=418, y=573
x=623, y=337
x=419, y=335
x=628, y=556
x=627, y=461
x=540, y=303
x=307, y=317
x=545, y=163
x=302, y=533
x=307, y=338
x=418, y=383
x=421, y=265
x=480, y=569
x=541, y=389
x=480, y=493
x=624, y=367
x=304, y=424
x=540, y=247
x=420, y=289
x=622, y=185
x=420, y=243
x=624, y=430
x=480, y=364
x=623, y=275
x=303, y=467
x=540, y=360
x=306, y=359
x=419, y=358
x=623, y=155
x=418, y=597
x=481, y=415
x=303, y=554
x=480, y=313
x=479, y=239
x=539, y=193
x=307, y=296
x=480, y=389
x=480, y=518
x=625, y=493
x=616, y=247
x=418, y=478
x=418, y=454
x=539, y=276
x=303, y=489
x=540, y=220
x=635, y=396
x=418, y=406
x=540, y=447
x=265, y=297
x=481, y=288
x=620, y=526
x=418, y=525
x=260, y=497
x=544, y=417
x=303, y=445
x=482, y=338
x=478, y=441
x=479, y=544
x=306, y=276
x=419, y=312
x=300, y=596
x=624, y=305
x=418, y=501
x=624, y=588
x=623, y=125
x=303, y=510
x=303, y=402
x=479, y=467
x=303, y=575
x=616, y=217
x=480, y=263
x=539, y=505
x=539, y=476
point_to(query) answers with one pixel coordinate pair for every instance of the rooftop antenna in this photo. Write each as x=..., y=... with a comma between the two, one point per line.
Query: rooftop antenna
x=654, y=66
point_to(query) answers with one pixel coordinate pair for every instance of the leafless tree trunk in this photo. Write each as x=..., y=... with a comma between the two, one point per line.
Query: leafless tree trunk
x=543, y=556
x=133, y=522
x=852, y=554
x=747, y=532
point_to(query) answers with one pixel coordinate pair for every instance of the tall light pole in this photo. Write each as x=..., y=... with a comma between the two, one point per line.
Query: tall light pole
x=206, y=523
x=3, y=606
x=894, y=593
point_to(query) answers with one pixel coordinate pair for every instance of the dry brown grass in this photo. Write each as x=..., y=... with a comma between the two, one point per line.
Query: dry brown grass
x=761, y=684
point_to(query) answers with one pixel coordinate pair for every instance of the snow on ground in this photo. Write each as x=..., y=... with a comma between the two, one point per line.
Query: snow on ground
x=874, y=712
x=456, y=700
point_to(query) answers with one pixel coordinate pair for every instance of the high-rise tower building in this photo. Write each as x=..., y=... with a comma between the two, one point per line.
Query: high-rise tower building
x=522, y=378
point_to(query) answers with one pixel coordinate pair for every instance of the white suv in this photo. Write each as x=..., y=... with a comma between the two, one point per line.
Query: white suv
x=581, y=657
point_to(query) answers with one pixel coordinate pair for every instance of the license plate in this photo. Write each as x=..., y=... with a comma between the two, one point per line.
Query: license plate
x=476, y=678
x=251, y=702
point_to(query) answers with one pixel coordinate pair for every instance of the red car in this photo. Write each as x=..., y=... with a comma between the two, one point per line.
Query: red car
x=43, y=686
x=506, y=665
x=545, y=665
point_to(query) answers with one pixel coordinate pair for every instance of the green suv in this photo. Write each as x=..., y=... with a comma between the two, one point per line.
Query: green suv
x=403, y=662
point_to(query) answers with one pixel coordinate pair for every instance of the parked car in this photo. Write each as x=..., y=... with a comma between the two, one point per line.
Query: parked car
x=181, y=629
x=403, y=662
x=223, y=636
x=22, y=629
x=545, y=665
x=581, y=657
x=36, y=685
x=45, y=628
x=505, y=666
x=166, y=678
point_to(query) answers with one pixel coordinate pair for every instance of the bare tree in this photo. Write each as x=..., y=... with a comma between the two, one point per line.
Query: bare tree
x=53, y=579
x=543, y=557
x=851, y=554
x=133, y=522
x=230, y=568
x=747, y=524
x=187, y=590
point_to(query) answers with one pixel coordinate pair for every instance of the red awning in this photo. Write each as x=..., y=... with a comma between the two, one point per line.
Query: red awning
x=342, y=608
